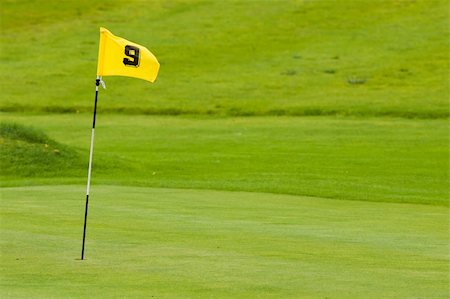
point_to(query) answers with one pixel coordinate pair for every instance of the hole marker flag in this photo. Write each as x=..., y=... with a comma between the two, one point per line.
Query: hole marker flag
x=117, y=57
x=120, y=57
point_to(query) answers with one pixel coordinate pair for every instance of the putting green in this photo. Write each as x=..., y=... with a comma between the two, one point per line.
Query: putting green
x=176, y=243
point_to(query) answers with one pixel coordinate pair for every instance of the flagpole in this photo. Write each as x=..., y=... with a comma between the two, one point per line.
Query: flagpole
x=97, y=83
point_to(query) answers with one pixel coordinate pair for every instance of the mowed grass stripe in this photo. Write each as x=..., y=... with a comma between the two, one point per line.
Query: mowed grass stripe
x=171, y=243
x=374, y=159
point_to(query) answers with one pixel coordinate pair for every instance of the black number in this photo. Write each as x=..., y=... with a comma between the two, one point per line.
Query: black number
x=132, y=52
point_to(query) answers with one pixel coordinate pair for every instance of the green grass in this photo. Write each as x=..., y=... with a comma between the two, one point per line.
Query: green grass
x=392, y=160
x=220, y=57
x=335, y=187
x=170, y=243
x=27, y=152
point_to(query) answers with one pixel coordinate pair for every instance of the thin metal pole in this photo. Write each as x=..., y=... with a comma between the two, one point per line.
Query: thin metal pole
x=97, y=83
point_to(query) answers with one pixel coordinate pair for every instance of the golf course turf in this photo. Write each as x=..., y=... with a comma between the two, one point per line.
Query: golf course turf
x=288, y=149
x=174, y=243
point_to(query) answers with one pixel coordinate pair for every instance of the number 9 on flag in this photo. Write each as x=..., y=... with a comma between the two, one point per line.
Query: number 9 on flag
x=120, y=57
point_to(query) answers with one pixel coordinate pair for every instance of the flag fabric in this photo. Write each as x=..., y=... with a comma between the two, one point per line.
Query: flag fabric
x=120, y=57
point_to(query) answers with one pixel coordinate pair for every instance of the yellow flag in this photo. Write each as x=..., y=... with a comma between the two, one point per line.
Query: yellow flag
x=120, y=57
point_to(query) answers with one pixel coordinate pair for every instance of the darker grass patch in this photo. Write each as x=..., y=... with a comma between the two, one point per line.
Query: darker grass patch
x=356, y=81
x=220, y=111
x=29, y=152
x=330, y=71
x=15, y=131
x=289, y=72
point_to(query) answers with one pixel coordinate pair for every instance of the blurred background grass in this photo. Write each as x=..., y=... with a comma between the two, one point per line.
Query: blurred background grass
x=233, y=57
